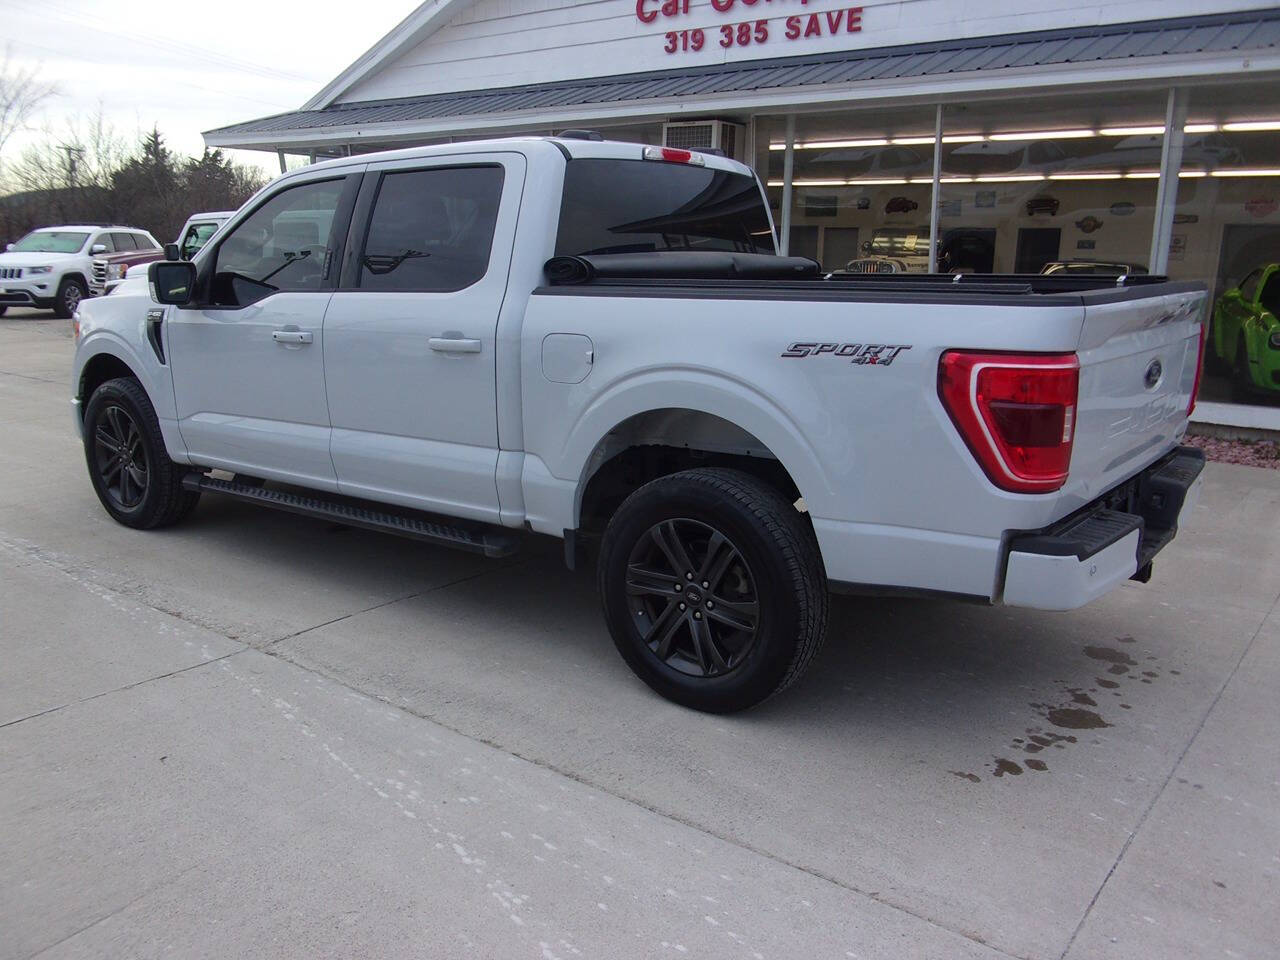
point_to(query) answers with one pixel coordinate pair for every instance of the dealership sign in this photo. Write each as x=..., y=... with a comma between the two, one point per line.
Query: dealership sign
x=740, y=28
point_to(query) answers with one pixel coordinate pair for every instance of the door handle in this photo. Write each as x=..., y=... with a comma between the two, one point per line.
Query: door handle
x=454, y=345
x=291, y=336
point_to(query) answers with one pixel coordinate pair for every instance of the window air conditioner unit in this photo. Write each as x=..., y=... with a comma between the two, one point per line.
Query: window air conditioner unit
x=705, y=135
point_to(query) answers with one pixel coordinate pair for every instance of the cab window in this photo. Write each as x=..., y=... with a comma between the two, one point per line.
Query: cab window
x=284, y=245
x=1269, y=299
x=123, y=242
x=431, y=230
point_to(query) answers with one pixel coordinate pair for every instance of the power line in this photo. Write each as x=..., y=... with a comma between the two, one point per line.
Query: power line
x=186, y=51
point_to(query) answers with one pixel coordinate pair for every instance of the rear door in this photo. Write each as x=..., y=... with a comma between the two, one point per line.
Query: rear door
x=248, y=362
x=410, y=336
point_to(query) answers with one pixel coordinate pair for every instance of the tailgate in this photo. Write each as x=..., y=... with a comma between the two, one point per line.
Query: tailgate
x=1138, y=358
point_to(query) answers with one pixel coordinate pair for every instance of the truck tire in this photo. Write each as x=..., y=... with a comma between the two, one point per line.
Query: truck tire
x=70, y=292
x=128, y=465
x=713, y=589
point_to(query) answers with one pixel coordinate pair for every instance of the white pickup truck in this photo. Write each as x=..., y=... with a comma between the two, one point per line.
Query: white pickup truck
x=595, y=341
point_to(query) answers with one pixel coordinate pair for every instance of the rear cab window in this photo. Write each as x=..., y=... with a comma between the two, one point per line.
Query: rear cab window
x=638, y=206
x=431, y=230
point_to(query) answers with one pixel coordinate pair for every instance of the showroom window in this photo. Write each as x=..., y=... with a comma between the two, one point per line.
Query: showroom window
x=861, y=183
x=1063, y=185
x=1226, y=232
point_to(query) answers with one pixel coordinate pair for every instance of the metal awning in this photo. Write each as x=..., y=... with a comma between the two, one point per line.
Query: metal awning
x=1255, y=30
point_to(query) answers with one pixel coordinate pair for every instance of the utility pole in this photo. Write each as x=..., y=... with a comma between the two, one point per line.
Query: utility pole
x=73, y=154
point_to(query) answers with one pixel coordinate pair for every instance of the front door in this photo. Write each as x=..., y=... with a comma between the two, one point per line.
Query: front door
x=248, y=362
x=410, y=337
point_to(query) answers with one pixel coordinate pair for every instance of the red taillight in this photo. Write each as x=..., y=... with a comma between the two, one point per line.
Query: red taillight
x=1195, y=387
x=1016, y=412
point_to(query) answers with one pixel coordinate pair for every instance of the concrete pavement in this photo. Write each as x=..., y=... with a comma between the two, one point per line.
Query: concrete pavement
x=256, y=735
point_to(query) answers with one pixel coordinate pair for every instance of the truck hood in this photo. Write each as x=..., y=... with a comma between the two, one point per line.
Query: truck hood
x=34, y=259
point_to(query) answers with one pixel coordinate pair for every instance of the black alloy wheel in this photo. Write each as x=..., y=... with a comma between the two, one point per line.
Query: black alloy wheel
x=713, y=588
x=129, y=467
x=693, y=597
x=67, y=301
x=120, y=457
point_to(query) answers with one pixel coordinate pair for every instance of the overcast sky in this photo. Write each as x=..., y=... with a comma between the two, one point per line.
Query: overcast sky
x=187, y=66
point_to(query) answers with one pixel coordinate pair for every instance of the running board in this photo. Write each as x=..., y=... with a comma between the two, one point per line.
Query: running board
x=491, y=543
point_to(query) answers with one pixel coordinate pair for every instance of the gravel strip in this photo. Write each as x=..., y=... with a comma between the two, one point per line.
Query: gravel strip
x=1251, y=453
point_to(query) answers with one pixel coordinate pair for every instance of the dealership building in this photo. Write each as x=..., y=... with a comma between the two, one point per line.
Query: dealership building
x=1140, y=133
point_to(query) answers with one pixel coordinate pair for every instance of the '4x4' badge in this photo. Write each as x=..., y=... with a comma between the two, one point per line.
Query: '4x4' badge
x=878, y=354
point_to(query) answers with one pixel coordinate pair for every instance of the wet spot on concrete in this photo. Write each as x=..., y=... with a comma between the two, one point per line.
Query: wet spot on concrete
x=1080, y=697
x=1145, y=680
x=1073, y=718
x=1125, y=706
x=1108, y=684
x=1037, y=765
x=1198, y=786
x=1119, y=660
x=971, y=777
x=1007, y=766
x=1176, y=673
x=1125, y=640
x=1150, y=673
x=1219, y=883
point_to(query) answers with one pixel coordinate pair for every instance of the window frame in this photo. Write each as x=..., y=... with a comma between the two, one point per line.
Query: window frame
x=338, y=231
x=367, y=203
x=1257, y=285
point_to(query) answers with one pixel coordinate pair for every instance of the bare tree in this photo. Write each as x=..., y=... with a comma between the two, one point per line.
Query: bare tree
x=22, y=92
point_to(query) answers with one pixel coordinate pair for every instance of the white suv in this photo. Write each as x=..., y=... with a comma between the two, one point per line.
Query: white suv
x=52, y=268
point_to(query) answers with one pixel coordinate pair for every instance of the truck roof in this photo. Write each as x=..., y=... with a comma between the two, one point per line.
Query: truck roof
x=570, y=147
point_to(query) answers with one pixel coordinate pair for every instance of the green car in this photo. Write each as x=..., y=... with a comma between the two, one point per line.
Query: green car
x=1246, y=331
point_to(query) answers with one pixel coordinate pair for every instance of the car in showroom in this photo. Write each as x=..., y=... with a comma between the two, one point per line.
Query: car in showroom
x=52, y=268
x=1246, y=331
x=1093, y=268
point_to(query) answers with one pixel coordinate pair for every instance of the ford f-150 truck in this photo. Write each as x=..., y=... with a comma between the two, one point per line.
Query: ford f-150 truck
x=596, y=341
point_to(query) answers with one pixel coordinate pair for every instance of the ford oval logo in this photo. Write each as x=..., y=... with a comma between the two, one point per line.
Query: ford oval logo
x=1152, y=377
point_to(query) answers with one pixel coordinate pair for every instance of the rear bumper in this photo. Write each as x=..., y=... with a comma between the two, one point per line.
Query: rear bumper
x=1115, y=538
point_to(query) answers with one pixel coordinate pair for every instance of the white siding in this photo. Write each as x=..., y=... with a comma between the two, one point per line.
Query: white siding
x=499, y=43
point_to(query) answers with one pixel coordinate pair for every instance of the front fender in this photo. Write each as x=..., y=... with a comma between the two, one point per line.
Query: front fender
x=118, y=329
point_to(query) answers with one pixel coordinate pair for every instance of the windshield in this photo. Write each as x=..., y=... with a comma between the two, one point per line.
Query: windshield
x=900, y=241
x=637, y=206
x=50, y=241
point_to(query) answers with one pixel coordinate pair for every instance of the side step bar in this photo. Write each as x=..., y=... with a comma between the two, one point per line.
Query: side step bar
x=491, y=543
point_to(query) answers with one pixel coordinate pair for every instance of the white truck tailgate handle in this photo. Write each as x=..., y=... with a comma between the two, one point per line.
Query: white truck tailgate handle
x=454, y=345
x=291, y=336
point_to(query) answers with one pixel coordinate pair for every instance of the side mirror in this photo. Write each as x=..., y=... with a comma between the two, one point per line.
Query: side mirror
x=98, y=248
x=8, y=247
x=171, y=252
x=172, y=283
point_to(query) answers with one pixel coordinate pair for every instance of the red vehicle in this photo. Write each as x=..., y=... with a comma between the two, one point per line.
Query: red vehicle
x=131, y=249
